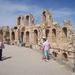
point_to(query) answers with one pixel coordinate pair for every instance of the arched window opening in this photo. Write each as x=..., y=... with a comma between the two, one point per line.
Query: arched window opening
x=64, y=34
x=15, y=27
x=35, y=37
x=28, y=20
x=47, y=33
x=13, y=36
x=19, y=21
x=44, y=16
x=22, y=36
x=1, y=34
x=64, y=55
x=27, y=37
x=53, y=35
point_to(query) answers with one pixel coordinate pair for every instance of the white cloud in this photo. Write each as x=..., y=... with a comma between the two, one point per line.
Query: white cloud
x=9, y=12
x=10, y=7
x=63, y=12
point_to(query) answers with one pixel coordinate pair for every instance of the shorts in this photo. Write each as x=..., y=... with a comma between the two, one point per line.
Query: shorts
x=46, y=52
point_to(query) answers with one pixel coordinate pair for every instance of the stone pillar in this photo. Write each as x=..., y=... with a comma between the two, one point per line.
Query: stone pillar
x=10, y=35
x=43, y=27
x=30, y=36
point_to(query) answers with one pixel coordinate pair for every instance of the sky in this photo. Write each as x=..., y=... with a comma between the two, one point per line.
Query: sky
x=60, y=9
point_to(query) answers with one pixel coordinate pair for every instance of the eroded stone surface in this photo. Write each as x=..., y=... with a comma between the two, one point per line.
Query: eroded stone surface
x=59, y=37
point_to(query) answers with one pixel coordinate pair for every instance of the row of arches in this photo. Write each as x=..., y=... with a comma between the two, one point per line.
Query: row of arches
x=29, y=20
x=47, y=32
x=46, y=16
x=27, y=36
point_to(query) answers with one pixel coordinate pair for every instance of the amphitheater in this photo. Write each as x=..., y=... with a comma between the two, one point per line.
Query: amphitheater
x=59, y=36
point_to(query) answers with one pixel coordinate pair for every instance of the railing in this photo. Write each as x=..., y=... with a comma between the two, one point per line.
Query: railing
x=61, y=59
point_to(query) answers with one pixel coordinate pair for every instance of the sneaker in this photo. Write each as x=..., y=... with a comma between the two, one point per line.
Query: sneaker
x=45, y=60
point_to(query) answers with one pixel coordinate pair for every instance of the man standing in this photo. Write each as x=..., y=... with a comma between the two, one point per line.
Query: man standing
x=19, y=42
x=1, y=47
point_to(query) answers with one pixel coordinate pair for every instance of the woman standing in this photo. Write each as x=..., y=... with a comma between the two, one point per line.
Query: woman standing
x=46, y=47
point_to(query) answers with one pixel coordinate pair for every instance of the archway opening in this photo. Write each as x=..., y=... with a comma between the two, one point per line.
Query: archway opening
x=28, y=20
x=1, y=34
x=19, y=20
x=15, y=27
x=35, y=37
x=27, y=37
x=13, y=36
x=22, y=36
x=53, y=35
x=44, y=16
x=65, y=55
x=64, y=34
x=55, y=53
x=47, y=34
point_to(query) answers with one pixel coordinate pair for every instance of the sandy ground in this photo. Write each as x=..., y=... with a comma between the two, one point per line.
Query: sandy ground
x=25, y=61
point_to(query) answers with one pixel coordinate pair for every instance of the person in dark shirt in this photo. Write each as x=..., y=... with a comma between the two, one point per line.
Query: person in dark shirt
x=1, y=47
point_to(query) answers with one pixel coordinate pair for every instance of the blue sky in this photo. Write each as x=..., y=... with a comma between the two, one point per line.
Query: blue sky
x=60, y=9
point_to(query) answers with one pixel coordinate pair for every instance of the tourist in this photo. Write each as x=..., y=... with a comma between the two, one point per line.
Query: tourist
x=19, y=42
x=50, y=47
x=46, y=47
x=1, y=47
x=41, y=47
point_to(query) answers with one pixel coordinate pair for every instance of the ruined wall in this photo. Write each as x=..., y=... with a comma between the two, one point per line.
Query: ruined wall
x=31, y=33
x=4, y=33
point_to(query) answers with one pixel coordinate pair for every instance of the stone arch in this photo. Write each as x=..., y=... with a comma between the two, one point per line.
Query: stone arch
x=46, y=16
x=20, y=20
x=55, y=53
x=22, y=36
x=1, y=34
x=53, y=35
x=29, y=20
x=64, y=55
x=35, y=37
x=47, y=33
x=15, y=27
x=13, y=35
x=22, y=33
x=27, y=37
x=64, y=34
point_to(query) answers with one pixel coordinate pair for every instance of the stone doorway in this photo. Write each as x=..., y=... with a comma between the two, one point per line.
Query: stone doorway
x=27, y=37
x=22, y=36
x=13, y=36
x=35, y=37
x=64, y=34
x=1, y=34
x=47, y=34
x=53, y=35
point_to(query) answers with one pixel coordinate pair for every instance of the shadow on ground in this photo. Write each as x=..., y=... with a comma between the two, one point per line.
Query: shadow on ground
x=5, y=58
